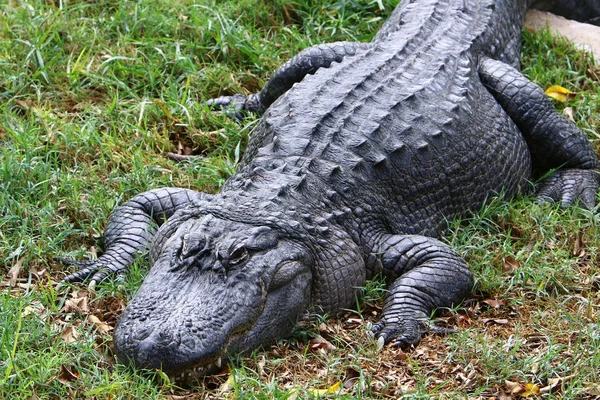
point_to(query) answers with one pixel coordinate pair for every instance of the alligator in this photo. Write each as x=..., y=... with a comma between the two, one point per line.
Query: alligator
x=362, y=154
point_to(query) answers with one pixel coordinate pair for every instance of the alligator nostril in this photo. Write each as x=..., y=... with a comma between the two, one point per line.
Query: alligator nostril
x=168, y=338
x=155, y=348
x=189, y=343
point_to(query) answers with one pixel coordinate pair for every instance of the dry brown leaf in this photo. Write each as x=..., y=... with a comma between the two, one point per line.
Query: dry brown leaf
x=522, y=389
x=70, y=334
x=553, y=384
x=503, y=396
x=24, y=104
x=514, y=387
x=13, y=273
x=568, y=113
x=499, y=321
x=578, y=247
x=560, y=93
x=355, y=321
x=351, y=376
x=227, y=386
x=321, y=344
x=510, y=264
x=35, y=307
x=38, y=274
x=591, y=388
x=101, y=326
x=76, y=305
x=67, y=376
x=463, y=321
x=494, y=303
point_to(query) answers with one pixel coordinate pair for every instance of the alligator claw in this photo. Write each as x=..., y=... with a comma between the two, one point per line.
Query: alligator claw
x=570, y=186
x=405, y=333
x=380, y=343
x=233, y=105
x=93, y=271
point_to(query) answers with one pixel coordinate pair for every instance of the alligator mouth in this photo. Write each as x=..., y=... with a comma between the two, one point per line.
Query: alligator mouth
x=199, y=371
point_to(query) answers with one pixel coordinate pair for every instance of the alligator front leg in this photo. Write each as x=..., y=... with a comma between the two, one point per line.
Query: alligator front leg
x=308, y=61
x=554, y=141
x=130, y=228
x=427, y=275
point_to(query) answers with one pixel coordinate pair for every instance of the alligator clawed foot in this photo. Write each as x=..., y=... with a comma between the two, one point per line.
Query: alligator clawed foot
x=570, y=186
x=234, y=106
x=92, y=271
x=237, y=106
x=405, y=334
x=402, y=333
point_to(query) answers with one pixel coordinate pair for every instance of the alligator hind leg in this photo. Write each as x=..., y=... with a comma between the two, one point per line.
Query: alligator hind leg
x=130, y=228
x=427, y=275
x=554, y=141
x=308, y=61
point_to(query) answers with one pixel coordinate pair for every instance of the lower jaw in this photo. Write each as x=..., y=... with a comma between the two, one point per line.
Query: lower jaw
x=197, y=372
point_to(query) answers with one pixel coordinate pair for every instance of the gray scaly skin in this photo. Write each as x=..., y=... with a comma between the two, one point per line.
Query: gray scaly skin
x=363, y=152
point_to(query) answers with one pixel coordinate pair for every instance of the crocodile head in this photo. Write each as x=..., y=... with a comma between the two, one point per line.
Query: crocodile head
x=215, y=287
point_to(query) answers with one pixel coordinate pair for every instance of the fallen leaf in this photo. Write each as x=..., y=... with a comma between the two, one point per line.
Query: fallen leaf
x=522, y=389
x=35, y=307
x=560, y=93
x=514, y=387
x=578, y=248
x=510, y=264
x=320, y=344
x=494, y=303
x=355, y=321
x=25, y=105
x=568, y=113
x=98, y=324
x=13, y=273
x=333, y=389
x=66, y=375
x=37, y=274
x=591, y=388
x=70, y=335
x=77, y=304
x=227, y=386
x=553, y=384
x=500, y=321
x=351, y=376
x=531, y=389
x=503, y=396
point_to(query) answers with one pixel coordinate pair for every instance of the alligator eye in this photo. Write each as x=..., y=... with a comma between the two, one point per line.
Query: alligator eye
x=238, y=256
x=184, y=245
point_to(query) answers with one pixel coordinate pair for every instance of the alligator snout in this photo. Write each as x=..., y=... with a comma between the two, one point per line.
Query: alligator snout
x=160, y=345
x=160, y=348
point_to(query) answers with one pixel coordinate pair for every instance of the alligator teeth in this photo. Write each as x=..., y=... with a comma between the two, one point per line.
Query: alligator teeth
x=198, y=371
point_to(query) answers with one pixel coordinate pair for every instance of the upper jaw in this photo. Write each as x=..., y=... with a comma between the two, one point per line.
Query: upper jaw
x=182, y=325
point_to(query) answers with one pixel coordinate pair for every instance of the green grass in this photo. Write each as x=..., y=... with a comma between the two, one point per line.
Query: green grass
x=92, y=97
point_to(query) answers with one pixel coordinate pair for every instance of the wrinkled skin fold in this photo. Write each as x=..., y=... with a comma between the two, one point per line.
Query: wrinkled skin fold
x=363, y=152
